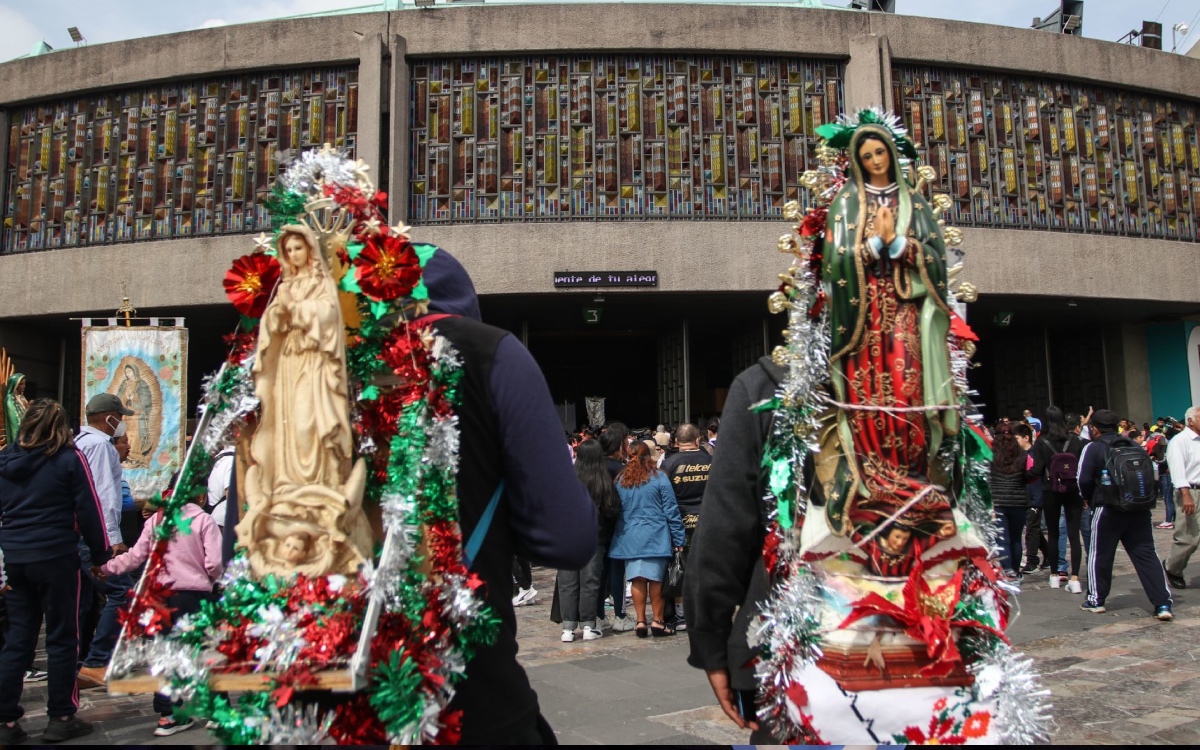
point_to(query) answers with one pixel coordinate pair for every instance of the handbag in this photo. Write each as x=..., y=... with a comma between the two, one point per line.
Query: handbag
x=672, y=587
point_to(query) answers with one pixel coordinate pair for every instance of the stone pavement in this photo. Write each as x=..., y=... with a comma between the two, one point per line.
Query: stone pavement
x=1117, y=678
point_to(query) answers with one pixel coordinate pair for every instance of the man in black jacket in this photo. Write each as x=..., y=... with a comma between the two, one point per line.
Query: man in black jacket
x=1110, y=525
x=726, y=578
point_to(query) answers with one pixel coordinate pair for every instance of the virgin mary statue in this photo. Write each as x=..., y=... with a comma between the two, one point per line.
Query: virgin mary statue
x=884, y=270
x=304, y=491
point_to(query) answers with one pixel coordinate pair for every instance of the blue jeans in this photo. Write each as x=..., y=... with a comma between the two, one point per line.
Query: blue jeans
x=1168, y=496
x=1011, y=521
x=1062, y=541
x=612, y=581
x=116, y=595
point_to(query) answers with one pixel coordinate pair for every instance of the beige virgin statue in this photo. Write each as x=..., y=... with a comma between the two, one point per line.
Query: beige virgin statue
x=303, y=491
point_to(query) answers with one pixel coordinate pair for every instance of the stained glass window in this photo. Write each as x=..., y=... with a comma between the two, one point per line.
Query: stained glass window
x=172, y=160
x=614, y=136
x=1048, y=154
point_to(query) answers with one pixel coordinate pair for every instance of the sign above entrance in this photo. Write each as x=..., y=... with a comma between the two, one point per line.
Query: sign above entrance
x=576, y=279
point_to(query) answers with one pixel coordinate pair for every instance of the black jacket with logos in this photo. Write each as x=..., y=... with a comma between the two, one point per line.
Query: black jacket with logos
x=46, y=504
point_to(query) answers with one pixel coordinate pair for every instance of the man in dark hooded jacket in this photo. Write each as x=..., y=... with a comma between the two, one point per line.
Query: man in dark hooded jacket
x=509, y=431
x=726, y=578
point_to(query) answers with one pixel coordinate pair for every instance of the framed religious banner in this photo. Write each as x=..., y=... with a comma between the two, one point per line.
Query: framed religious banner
x=145, y=367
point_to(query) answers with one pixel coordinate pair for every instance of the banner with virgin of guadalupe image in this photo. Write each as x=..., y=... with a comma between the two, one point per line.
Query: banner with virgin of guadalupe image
x=145, y=367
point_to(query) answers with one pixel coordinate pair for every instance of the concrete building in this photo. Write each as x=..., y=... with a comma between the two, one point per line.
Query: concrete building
x=572, y=140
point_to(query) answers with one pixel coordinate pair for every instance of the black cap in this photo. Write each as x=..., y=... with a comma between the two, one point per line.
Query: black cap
x=1106, y=418
x=106, y=402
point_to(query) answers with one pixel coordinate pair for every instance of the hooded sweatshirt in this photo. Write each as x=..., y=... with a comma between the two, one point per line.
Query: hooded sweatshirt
x=46, y=504
x=509, y=431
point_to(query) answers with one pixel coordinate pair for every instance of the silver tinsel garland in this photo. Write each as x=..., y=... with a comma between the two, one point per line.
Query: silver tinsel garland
x=296, y=726
x=1023, y=713
x=229, y=410
x=316, y=168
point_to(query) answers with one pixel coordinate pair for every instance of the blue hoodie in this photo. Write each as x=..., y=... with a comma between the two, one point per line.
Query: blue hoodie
x=553, y=517
x=46, y=504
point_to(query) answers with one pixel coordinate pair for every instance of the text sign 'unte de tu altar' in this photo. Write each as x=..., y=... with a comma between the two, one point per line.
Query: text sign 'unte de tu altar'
x=568, y=279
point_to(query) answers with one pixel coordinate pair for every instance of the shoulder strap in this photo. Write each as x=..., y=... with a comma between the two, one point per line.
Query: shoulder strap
x=481, y=529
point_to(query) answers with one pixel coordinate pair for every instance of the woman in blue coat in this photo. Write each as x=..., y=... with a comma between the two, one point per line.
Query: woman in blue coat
x=647, y=532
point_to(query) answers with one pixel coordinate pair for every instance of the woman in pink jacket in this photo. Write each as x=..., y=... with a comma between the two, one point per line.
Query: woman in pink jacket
x=193, y=565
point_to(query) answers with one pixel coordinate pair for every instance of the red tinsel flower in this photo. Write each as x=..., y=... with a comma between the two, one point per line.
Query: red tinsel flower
x=813, y=223
x=240, y=649
x=356, y=723
x=959, y=328
x=771, y=547
x=250, y=282
x=387, y=268
x=451, y=731
x=818, y=305
x=444, y=544
x=349, y=197
x=406, y=355
x=241, y=345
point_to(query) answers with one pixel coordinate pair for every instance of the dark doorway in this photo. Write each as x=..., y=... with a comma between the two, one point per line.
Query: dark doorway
x=620, y=366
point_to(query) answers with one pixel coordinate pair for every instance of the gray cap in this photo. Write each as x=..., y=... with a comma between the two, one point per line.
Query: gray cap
x=105, y=402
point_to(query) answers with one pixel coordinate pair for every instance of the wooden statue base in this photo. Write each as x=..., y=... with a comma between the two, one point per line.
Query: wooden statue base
x=339, y=680
x=902, y=669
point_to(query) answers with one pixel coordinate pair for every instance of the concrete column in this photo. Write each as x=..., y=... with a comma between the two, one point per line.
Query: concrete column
x=885, y=73
x=399, y=124
x=370, y=102
x=3, y=163
x=1128, y=372
x=864, y=78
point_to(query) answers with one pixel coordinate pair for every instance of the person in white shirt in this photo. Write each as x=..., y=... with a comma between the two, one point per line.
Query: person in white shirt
x=219, y=480
x=105, y=419
x=1183, y=459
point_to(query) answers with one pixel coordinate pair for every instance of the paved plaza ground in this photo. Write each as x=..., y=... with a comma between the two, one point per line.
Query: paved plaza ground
x=1117, y=678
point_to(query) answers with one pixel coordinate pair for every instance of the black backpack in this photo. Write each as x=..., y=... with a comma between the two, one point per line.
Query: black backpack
x=1132, y=475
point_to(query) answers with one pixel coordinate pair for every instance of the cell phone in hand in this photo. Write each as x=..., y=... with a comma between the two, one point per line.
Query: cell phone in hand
x=746, y=706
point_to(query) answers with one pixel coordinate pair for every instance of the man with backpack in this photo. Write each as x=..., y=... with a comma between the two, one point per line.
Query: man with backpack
x=1117, y=480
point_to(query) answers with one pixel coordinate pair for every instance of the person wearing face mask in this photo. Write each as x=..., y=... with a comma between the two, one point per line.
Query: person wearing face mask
x=105, y=420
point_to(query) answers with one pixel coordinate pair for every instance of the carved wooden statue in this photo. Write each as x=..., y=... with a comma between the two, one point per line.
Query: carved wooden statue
x=303, y=490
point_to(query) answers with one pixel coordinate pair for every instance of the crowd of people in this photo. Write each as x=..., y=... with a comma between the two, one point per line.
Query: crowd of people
x=1055, y=496
x=648, y=487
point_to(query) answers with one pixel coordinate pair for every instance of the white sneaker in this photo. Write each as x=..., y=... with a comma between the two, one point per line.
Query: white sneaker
x=1074, y=587
x=591, y=635
x=524, y=597
x=605, y=623
x=1055, y=581
x=568, y=636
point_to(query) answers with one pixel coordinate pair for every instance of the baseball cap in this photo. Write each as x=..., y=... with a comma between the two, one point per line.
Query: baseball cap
x=1105, y=418
x=104, y=402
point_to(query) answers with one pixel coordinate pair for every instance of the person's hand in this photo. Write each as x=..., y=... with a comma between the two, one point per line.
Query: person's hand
x=98, y=573
x=1088, y=418
x=679, y=549
x=119, y=549
x=885, y=225
x=719, y=680
x=1189, y=503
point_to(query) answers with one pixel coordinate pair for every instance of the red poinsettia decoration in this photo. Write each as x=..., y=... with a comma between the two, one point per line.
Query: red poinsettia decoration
x=927, y=616
x=250, y=282
x=387, y=268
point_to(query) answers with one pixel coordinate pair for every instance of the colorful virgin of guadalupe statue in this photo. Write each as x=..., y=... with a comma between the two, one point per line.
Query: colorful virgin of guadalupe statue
x=886, y=281
x=303, y=492
x=886, y=618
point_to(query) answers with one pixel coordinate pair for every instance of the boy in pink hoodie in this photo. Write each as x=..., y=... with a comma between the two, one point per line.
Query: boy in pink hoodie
x=192, y=566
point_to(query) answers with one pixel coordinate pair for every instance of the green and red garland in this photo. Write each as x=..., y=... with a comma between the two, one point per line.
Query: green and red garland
x=432, y=617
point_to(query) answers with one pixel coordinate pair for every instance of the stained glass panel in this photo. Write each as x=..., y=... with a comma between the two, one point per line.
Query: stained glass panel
x=614, y=136
x=173, y=160
x=1041, y=153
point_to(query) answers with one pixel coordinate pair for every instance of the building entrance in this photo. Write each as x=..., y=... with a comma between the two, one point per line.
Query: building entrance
x=654, y=357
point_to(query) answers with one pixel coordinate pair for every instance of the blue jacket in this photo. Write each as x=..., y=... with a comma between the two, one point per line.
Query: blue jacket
x=649, y=525
x=46, y=504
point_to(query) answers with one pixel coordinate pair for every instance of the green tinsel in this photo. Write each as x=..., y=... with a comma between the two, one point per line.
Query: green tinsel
x=396, y=693
x=284, y=206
